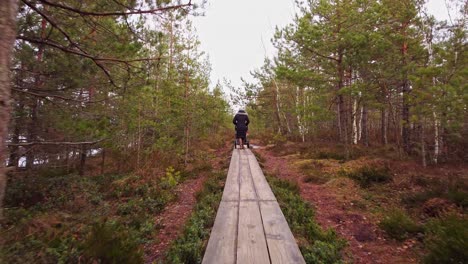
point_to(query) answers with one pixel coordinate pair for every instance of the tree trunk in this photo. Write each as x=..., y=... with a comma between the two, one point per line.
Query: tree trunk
x=7, y=37
x=139, y=136
x=14, y=155
x=14, y=150
x=436, y=137
x=35, y=104
x=423, y=146
x=278, y=110
x=355, y=126
x=67, y=159
x=405, y=114
x=32, y=133
x=82, y=160
x=103, y=160
x=383, y=126
x=365, y=127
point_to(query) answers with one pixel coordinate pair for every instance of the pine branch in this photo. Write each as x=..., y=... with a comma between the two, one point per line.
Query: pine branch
x=114, y=13
x=79, y=53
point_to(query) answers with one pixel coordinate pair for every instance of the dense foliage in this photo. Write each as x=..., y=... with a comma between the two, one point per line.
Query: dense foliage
x=133, y=86
x=68, y=219
x=368, y=72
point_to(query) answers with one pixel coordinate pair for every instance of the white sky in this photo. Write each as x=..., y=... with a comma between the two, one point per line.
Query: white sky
x=236, y=33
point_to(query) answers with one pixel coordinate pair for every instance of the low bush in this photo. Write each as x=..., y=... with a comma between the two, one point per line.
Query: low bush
x=317, y=177
x=110, y=242
x=368, y=175
x=398, y=225
x=447, y=240
x=190, y=246
x=170, y=179
x=317, y=245
x=51, y=229
x=454, y=194
x=330, y=155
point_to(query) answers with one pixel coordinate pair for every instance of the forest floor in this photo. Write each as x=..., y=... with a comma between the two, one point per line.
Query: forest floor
x=172, y=220
x=352, y=211
x=174, y=217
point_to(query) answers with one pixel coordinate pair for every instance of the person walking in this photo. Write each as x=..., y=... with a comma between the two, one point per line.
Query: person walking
x=241, y=122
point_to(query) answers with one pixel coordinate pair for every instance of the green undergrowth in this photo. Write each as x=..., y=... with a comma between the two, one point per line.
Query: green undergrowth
x=317, y=245
x=454, y=191
x=398, y=225
x=189, y=247
x=367, y=175
x=108, y=218
x=447, y=239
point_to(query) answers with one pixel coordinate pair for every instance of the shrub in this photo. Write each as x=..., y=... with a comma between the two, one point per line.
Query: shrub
x=458, y=196
x=453, y=194
x=48, y=230
x=367, y=175
x=447, y=240
x=419, y=198
x=189, y=247
x=279, y=140
x=317, y=177
x=171, y=179
x=318, y=246
x=398, y=225
x=110, y=243
x=330, y=155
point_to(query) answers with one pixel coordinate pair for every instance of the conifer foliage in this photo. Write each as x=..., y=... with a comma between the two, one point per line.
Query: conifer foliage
x=121, y=80
x=371, y=73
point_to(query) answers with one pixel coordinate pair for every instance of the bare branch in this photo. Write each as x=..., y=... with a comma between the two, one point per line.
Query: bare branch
x=76, y=52
x=41, y=95
x=115, y=13
x=320, y=55
x=23, y=144
x=53, y=24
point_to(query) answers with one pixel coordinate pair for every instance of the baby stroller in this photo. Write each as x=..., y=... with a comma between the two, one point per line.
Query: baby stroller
x=244, y=139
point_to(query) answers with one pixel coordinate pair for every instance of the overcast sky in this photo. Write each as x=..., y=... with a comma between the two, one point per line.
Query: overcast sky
x=236, y=34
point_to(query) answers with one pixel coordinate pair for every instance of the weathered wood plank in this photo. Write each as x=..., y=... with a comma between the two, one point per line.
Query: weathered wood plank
x=221, y=246
x=247, y=191
x=231, y=187
x=261, y=185
x=251, y=244
x=251, y=229
x=281, y=243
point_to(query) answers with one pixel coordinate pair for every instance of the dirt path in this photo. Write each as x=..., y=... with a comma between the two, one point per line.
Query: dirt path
x=173, y=218
x=366, y=243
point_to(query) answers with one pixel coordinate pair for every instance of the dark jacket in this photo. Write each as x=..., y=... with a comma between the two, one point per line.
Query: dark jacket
x=241, y=121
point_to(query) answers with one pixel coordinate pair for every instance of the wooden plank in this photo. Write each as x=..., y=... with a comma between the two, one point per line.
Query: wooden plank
x=251, y=243
x=281, y=243
x=221, y=246
x=261, y=185
x=247, y=191
x=231, y=187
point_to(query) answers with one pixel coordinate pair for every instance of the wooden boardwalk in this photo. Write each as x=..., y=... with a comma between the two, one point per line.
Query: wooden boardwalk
x=249, y=225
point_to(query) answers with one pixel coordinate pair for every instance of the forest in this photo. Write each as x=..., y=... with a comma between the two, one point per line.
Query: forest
x=115, y=144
